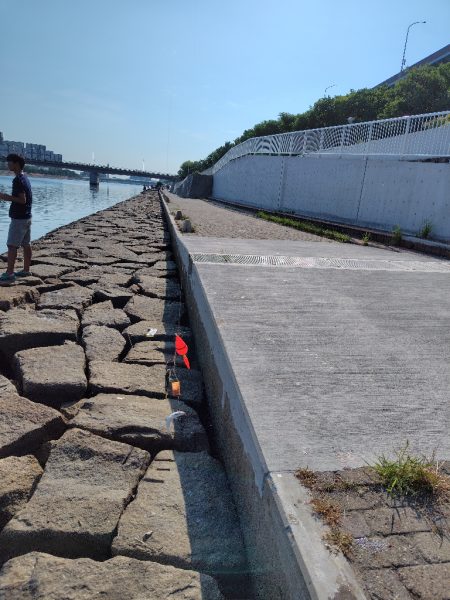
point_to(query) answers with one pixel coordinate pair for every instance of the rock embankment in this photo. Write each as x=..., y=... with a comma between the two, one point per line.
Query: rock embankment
x=101, y=495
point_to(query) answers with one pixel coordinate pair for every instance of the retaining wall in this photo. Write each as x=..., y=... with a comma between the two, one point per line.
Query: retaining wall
x=373, y=192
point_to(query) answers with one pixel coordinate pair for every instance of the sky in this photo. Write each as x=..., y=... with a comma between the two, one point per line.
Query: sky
x=164, y=81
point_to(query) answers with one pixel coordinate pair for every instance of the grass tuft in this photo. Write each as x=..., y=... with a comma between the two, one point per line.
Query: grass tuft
x=396, y=235
x=308, y=227
x=426, y=230
x=336, y=538
x=307, y=477
x=408, y=475
x=330, y=512
x=366, y=239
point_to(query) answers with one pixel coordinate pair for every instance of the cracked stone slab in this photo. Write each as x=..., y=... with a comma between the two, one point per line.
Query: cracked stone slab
x=39, y=576
x=105, y=314
x=117, y=294
x=7, y=387
x=52, y=374
x=74, y=510
x=18, y=476
x=141, y=421
x=103, y=343
x=21, y=329
x=153, y=352
x=16, y=295
x=58, y=261
x=185, y=501
x=159, y=287
x=143, y=308
x=25, y=425
x=156, y=330
x=110, y=377
x=44, y=271
x=74, y=297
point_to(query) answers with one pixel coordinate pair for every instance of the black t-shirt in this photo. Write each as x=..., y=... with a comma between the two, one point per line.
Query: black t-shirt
x=21, y=184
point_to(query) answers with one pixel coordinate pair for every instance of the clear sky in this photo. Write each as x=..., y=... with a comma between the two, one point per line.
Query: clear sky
x=170, y=80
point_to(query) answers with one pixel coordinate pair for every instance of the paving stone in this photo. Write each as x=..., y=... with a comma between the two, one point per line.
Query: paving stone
x=21, y=329
x=25, y=425
x=46, y=271
x=153, y=352
x=183, y=515
x=59, y=261
x=141, y=421
x=143, y=308
x=390, y=551
x=18, y=476
x=118, y=295
x=159, y=287
x=7, y=387
x=82, y=277
x=102, y=343
x=52, y=374
x=16, y=295
x=430, y=582
x=384, y=584
x=73, y=297
x=385, y=521
x=105, y=314
x=74, y=510
x=110, y=377
x=360, y=476
x=433, y=547
x=168, y=266
x=145, y=330
x=38, y=576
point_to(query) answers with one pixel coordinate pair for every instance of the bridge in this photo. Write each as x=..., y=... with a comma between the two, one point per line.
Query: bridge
x=95, y=170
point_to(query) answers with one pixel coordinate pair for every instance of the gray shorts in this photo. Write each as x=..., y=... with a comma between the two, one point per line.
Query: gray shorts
x=19, y=233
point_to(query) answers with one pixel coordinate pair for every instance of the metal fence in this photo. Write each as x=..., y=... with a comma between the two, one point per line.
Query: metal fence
x=418, y=135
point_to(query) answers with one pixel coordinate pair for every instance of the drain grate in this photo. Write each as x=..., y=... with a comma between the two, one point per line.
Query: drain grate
x=321, y=262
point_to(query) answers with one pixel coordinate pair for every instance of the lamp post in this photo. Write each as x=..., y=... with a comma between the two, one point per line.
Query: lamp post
x=327, y=88
x=406, y=42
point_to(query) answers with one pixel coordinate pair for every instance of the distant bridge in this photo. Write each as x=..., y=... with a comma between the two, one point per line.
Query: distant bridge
x=95, y=170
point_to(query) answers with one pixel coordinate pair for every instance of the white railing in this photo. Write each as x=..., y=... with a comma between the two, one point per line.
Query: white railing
x=418, y=135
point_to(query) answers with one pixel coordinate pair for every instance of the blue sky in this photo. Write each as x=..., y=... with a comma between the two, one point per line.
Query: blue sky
x=166, y=81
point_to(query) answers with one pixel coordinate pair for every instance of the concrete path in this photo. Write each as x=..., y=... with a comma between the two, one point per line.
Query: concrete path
x=329, y=355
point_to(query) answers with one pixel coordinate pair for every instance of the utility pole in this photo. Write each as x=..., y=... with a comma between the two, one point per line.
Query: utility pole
x=406, y=43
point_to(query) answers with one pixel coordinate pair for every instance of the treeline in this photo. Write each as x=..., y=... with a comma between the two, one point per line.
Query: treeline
x=51, y=171
x=422, y=90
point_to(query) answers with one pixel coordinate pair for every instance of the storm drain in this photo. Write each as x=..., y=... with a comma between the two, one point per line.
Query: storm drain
x=322, y=262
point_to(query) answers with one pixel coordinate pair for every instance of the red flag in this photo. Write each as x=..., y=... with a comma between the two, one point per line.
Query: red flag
x=181, y=348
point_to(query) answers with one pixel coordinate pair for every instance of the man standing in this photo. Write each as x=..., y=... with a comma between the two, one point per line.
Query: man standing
x=20, y=214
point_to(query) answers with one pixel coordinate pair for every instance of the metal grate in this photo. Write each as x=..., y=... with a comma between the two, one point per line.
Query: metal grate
x=322, y=262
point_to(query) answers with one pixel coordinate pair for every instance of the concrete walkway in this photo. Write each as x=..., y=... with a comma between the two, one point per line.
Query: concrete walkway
x=337, y=358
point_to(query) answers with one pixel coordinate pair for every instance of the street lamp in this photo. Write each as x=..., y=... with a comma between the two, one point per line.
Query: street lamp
x=406, y=42
x=327, y=88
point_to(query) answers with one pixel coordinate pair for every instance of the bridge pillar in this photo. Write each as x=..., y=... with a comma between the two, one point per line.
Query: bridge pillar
x=94, y=179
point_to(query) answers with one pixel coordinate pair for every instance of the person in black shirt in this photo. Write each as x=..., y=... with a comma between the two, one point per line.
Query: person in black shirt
x=20, y=213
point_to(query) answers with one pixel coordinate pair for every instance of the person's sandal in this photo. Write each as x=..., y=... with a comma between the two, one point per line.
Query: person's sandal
x=22, y=273
x=5, y=278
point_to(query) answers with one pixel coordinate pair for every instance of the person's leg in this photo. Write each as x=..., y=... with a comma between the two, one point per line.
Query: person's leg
x=12, y=255
x=27, y=258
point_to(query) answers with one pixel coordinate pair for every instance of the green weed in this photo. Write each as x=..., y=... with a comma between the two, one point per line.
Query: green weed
x=307, y=227
x=409, y=475
x=426, y=229
x=366, y=239
x=396, y=235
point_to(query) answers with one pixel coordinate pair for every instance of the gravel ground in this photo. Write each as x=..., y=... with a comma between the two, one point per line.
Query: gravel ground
x=211, y=219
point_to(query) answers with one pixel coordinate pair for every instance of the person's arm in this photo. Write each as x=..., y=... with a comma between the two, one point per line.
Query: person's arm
x=20, y=199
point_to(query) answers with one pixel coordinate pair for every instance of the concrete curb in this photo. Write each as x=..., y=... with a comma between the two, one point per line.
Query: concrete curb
x=290, y=559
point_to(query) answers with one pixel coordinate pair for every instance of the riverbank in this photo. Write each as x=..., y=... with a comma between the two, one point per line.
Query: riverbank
x=102, y=492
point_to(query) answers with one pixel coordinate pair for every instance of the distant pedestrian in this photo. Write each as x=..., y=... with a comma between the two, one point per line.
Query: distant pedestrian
x=20, y=214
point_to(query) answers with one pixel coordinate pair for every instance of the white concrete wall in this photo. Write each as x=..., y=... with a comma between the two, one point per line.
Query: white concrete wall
x=368, y=192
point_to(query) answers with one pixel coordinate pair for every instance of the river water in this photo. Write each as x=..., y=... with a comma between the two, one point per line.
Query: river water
x=57, y=202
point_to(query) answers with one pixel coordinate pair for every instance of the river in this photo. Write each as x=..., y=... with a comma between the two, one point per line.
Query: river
x=57, y=202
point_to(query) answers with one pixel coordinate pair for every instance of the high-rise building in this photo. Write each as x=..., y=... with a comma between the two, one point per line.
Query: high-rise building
x=28, y=150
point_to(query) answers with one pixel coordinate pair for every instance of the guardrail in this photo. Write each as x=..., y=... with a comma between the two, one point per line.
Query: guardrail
x=418, y=135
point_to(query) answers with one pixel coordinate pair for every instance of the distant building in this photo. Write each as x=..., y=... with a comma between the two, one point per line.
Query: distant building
x=437, y=58
x=28, y=150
